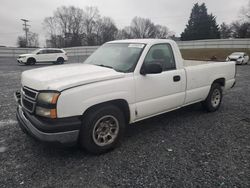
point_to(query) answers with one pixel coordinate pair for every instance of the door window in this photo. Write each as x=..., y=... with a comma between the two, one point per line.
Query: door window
x=163, y=55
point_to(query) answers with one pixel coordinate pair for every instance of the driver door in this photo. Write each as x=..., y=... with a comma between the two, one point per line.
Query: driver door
x=158, y=93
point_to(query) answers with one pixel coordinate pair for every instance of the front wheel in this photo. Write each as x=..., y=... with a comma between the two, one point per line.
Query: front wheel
x=214, y=98
x=60, y=60
x=102, y=129
x=31, y=61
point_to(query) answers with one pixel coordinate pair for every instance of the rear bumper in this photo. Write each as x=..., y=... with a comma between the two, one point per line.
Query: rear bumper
x=62, y=132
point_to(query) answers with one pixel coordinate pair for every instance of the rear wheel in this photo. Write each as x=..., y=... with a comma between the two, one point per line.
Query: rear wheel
x=102, y=129
x=214, y=98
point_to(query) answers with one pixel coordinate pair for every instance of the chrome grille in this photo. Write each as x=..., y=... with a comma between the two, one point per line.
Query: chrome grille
x=28, y=99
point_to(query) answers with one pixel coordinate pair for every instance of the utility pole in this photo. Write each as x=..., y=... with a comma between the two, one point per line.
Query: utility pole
x=26, y=29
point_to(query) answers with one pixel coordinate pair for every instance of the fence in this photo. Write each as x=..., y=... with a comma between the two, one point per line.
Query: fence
x=84, y=51
x=215, y=43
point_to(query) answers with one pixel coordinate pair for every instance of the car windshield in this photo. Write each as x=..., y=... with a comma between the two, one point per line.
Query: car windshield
x=121, y=57
x=35, y=51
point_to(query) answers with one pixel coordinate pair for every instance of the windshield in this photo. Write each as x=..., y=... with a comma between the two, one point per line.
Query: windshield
x=121, y=57
x=237, y=53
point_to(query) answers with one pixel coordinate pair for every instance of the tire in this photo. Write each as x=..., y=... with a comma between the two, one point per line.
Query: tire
x=214, y=98
x=103, y=128
x=60, y=60
x=31, y=61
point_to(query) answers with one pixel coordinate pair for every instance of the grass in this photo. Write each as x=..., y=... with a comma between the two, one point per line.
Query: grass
x=206, y=53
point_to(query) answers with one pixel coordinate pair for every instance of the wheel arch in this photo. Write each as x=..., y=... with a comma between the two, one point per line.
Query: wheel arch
x=31, y=58
x=122, y=104
x=60, y=57
x=221, y=81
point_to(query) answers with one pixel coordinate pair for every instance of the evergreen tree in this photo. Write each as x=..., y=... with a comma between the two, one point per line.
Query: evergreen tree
x=201, y=25
x=225, y=31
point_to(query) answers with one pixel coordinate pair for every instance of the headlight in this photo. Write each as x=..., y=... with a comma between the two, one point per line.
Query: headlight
x=48, y=98
x=46, y=104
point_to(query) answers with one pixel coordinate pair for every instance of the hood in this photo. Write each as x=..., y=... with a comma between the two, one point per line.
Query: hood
x=23, y=55
x=60, y=77
x=235, y=56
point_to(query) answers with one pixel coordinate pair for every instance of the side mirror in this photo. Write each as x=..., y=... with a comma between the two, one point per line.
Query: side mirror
x=151, y=68
x=38, y=53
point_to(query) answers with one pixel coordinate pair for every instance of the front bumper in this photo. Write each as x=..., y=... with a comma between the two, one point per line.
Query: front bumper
x=21, y=60
x=64, y=131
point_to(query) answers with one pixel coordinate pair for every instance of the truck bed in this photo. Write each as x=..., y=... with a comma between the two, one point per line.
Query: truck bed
x=201, y=74
x=188, y=63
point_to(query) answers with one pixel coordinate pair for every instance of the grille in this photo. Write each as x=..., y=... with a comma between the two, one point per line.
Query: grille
x=28, y=99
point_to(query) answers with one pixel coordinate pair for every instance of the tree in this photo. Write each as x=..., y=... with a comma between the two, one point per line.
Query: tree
x=201, y=25
x=225, y=31
x=161, y=32
x=142, y=28
x=124, y=33
x=91, y=16
x=32, y=39
x=21, y=41
x=106, y=30
x=245, y=13
x=241, y=30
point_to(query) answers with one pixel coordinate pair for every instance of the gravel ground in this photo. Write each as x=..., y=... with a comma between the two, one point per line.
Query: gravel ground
x=184, y=148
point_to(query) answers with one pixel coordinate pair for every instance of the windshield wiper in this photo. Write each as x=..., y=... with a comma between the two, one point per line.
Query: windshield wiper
x=106, y=66
x=101, y=65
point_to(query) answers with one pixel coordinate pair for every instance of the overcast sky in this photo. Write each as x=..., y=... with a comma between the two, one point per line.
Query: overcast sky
x=172, y=13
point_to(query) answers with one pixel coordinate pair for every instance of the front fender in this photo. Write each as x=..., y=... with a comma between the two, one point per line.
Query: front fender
x=75, y=101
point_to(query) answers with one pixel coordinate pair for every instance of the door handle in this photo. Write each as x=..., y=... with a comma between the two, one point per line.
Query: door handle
x=177, y=78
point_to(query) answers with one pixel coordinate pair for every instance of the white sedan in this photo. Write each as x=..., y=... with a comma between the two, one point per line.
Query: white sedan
x=239, y=57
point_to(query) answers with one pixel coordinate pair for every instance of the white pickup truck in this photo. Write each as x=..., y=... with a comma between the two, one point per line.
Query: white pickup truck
x=121, y=83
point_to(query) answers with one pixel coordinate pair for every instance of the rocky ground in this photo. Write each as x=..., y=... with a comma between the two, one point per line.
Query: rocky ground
x=184, y=148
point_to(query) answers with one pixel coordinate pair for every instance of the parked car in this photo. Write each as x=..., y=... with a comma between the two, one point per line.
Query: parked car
x=238, y=57
x=54, y=55
x=121, y=83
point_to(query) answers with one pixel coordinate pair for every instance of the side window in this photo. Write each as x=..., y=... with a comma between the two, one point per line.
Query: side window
x=42, y=52
x=162, y=54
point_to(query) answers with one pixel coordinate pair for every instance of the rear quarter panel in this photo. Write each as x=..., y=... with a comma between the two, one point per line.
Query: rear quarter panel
x=201, y=77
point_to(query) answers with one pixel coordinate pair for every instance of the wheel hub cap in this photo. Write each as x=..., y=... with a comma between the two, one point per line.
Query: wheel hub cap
x=216, y=97
x=105, y=130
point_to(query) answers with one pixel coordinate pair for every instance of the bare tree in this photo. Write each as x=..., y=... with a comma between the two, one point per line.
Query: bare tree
x=67, y=22
x=91, y=16
x=161, y=32
x=142, y=28
x=21, y=41
x=245, y=13
x=33, y=39
x=124, y=33
x=106, y=30
x=51, y=26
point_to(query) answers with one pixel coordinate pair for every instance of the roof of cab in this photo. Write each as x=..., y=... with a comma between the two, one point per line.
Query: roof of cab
x=143, y=41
